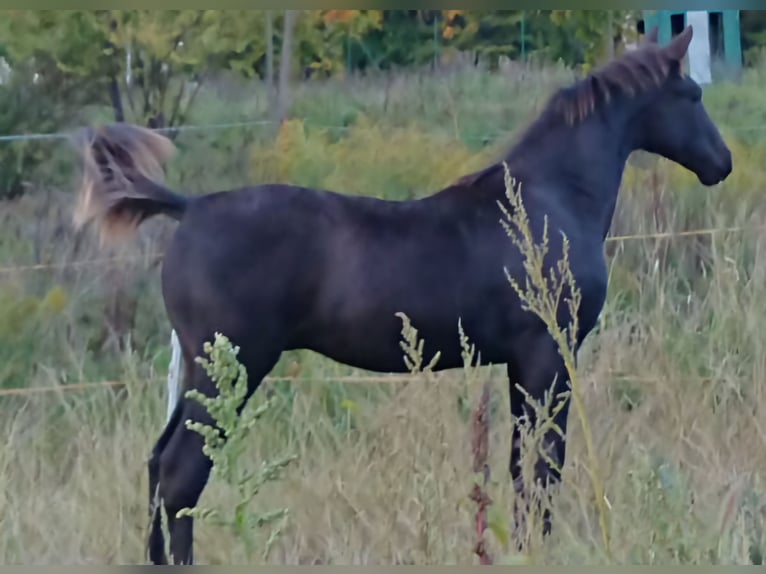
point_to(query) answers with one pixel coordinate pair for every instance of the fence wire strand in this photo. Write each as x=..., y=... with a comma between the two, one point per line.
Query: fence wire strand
x=65, y=135
x=82, y=386
x=256, y=123
x=346, y=379
x=154, y=256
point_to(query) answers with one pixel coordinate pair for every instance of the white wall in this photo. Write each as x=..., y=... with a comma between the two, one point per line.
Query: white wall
x=699, y=49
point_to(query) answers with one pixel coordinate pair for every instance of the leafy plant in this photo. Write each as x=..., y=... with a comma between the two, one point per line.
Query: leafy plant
x=225, y=443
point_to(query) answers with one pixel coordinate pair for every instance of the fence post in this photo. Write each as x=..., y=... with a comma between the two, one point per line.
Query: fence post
x=523, y=36
x=174, y=373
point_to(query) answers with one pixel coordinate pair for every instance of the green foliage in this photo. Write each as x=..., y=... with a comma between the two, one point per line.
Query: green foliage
x=167, y=48
x=331, y=41
x=37, y=98
x=591, y=29
x=27, y=326
x=753, y=26
x=71, y=42
x=493, y=33
x=172, y=48
x=230, y=378
x=22, y=108
x=66, y=64
x=404, y=169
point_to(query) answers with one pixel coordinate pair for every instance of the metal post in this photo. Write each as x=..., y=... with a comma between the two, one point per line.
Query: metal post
x=524, y=35
x=610, y=34
x=348, y=53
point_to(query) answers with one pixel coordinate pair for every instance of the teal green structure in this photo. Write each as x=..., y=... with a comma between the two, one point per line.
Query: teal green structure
x=730, y=47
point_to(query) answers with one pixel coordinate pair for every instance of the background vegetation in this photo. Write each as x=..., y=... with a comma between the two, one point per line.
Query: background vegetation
x=672, y=378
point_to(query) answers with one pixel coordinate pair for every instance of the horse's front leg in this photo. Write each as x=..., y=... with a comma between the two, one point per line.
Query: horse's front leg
x=538, y=369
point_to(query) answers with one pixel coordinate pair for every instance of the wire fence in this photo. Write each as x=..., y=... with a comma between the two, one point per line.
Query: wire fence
x=86, y=386
x=382, y=379
x=182, y=128
x=256, y=123
x=158, y=255
x=23, y=391
x=64, y=135
x=346, y=379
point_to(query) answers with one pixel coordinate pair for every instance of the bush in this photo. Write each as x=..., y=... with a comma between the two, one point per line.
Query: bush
x=31, y=104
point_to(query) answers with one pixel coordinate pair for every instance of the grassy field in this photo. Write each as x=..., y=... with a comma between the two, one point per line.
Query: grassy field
x=672, y=377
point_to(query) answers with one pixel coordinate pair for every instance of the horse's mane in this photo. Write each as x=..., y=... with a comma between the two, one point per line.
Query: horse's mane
x=631, y=73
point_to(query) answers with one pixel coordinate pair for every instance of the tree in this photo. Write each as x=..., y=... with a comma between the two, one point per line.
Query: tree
x=176, y=51
x=598, y=32
x=166, y=54
x=489, y=33
x=330, y=41
x=753, y=26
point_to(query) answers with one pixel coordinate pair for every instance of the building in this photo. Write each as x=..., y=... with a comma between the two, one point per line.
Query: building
x=717, y=42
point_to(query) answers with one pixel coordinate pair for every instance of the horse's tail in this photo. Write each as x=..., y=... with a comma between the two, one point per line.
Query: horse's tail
x=122, y=179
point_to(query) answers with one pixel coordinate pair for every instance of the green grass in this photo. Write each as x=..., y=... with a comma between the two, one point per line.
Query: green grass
x=671, y=380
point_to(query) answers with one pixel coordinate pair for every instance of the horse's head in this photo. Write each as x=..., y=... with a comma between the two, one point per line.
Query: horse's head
x=674, y=122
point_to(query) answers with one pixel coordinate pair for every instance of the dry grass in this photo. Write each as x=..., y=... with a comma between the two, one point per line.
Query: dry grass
x=682, y=469
x=672, y=385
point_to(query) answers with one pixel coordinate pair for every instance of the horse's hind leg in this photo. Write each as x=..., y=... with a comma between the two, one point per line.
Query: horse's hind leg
x=156, y=540
x=183, y=473
x=535, y=368
x=184, y=468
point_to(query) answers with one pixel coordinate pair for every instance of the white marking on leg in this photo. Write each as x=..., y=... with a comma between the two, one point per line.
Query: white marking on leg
x=174, y=373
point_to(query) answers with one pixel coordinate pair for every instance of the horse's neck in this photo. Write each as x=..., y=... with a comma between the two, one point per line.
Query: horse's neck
x=584, y=164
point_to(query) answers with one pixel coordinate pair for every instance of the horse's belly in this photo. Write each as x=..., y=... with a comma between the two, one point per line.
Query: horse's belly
x=371, y=345
x=367, y=333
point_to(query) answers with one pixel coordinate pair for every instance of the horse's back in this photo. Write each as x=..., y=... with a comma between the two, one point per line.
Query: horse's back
x=270, y=241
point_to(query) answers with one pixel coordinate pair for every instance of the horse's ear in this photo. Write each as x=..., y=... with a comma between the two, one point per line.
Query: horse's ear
x=680, y=44
x=652, y=35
